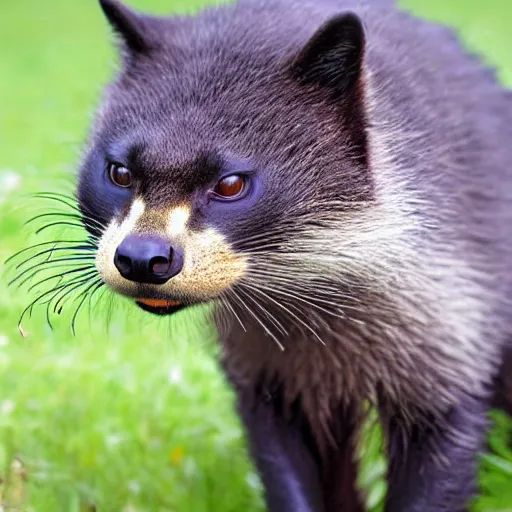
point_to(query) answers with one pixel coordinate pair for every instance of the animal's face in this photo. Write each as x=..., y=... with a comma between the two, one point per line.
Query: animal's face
x=217, y=150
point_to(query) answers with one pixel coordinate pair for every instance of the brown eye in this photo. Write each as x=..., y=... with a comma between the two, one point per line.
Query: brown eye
x=230, y=187
x=120, y=175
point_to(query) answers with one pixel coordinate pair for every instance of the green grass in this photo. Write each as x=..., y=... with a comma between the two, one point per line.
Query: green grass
x=132, y=413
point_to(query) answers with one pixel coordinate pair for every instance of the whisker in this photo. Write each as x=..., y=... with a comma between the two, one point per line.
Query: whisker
x=57, y=308
x=59, y=223
x=84, y=294
x=59, y=198
x=93, y=222
x=222, y=316
x=37, y=299
x=71, y=203
x=71, y=196
x=264, y=327
x=71, y=215
x=309, y=328
x=269, y=315
x=289, y=279
x=313, y=301
x=280, y=269
x=80, y=283
x=301, y=223
x=74, y=271
x=58, y=284
x=64, y=274
x=70, y=287
x=71, y=248
x=339, y=313
x=91, y=295
x=228, y=305
x=46, y=265
x=48, y=303
x=22, y=251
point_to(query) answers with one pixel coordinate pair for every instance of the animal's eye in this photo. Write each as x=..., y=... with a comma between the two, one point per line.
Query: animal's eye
x=120, y=175
x=230, y=187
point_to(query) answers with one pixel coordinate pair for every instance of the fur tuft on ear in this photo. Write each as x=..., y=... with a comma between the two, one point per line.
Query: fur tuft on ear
x=130, y=26
x=333, y=57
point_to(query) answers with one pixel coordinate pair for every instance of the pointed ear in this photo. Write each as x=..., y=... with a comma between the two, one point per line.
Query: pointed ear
x=333, y=58
x=131, y=27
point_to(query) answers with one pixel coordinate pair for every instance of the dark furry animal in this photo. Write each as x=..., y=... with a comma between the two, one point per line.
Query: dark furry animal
x=336, y=176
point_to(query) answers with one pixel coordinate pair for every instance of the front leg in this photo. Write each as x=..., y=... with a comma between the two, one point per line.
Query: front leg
x=303, y=469
x=288, y=468
x=434, y=464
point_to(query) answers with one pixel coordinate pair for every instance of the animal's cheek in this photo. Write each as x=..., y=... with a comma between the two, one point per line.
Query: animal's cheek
x=110, y=240
x=210, y=265
x=106, y=248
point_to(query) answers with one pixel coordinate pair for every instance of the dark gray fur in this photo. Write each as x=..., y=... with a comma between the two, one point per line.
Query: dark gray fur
x=225, y=83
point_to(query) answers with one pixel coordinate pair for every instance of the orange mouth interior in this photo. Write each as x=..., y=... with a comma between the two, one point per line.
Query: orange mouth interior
x=156, y=303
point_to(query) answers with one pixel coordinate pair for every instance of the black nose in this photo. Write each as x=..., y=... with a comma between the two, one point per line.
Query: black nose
x=147, y=259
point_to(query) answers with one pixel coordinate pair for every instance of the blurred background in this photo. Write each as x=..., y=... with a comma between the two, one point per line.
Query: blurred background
x=132, y=413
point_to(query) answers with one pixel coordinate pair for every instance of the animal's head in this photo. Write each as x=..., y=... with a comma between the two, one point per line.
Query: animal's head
x=226, y=143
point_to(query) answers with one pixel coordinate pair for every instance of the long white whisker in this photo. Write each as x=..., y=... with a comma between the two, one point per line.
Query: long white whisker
x=291, y=282
x=267, y=313
x=309, y=328
x=226, y=303
x=339, y=308
x=265, y=328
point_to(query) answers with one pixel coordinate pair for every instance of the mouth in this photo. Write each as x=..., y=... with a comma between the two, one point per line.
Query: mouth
x=160, y=307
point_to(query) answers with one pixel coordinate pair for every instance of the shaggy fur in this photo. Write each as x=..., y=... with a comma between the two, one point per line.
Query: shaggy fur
x=372, y=260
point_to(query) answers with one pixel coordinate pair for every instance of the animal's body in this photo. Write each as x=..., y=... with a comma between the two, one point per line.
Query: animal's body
x=341, y=186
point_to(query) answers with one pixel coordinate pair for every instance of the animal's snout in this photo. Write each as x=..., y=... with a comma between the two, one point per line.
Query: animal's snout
x=146, y=259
